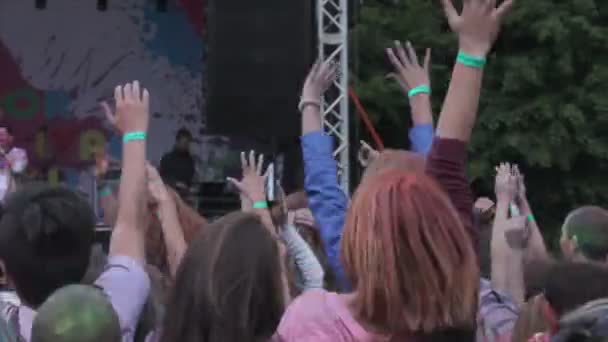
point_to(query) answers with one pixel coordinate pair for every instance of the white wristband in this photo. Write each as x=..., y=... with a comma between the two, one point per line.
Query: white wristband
x=305, y=103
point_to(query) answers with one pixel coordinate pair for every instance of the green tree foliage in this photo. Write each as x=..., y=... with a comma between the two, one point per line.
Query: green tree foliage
x=544, y=101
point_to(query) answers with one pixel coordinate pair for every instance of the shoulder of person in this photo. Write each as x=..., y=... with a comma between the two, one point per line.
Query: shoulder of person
x=312, y=316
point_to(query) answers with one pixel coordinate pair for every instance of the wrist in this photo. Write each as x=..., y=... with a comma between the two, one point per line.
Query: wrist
x=503, y=199
x=474, y=51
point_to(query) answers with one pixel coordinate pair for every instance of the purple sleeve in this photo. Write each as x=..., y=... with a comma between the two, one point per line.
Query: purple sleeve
x=127, y=285
x=446, y=163
x=497, y=313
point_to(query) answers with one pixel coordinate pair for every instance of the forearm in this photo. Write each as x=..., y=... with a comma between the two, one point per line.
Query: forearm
x=128, y=234
x=132, y=183
x=421, y=109
x=507, y=263
x=537, y=248
x=173, y=235
x=264, y=215
x=311, y=119
x=459, y=110
x=306, y=261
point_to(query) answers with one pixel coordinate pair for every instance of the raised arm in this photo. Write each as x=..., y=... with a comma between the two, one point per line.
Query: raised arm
x=477, y=28
x=132, y=112
x=537, y=250
x=173, y=232
x=326, y=199
x=509, y=238
x=415, y=82
x=124, y=280
x=251, y=188
x=305, y=259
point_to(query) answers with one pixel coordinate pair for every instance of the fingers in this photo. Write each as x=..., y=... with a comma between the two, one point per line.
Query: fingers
x=107, y=111
x=427, y=60
x=401, y=54
x=251, y=162
x=136, y=92
x=118, y=95
x=244, y=164
x=365, y=145
x=450, y=11
x=146, y=98
x=328, y=72
x=393, y=59
x=238, y=185
x=503, y=9
x=260, y=164
x=128, y=92
x=412, y=54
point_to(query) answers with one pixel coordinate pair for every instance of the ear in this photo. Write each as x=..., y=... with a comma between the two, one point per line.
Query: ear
x=569, y=247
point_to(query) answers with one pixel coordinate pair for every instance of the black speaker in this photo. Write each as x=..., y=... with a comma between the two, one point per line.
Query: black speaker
x=258, y=54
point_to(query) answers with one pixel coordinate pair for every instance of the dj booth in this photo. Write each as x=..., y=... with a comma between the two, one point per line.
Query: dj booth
x=210, y=199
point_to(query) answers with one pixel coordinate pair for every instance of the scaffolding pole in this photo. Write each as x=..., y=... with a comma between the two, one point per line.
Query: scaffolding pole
x=332, y=24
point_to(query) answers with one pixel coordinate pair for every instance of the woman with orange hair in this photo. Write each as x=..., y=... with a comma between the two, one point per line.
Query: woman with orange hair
x=406, y=247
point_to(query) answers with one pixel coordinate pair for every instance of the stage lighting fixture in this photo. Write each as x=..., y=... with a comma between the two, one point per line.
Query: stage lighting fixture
x=102, y=5
x=40, y=4
x=161, y=5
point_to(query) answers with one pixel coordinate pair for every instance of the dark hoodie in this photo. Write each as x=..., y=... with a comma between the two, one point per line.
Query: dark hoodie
x=587, y=323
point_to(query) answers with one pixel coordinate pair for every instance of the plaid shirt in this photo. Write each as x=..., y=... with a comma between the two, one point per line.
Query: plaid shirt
x=496, y=315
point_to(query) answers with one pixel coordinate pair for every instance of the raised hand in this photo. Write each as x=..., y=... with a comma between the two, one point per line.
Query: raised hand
x=318, y=80
x=156, y=188
x=516, y=231
x=478, y=25
x=251, y=186
x=506, y=184
x=408, y=71
x=366, y=154
x=521, y=184
x=132, y=108
x=303, y=217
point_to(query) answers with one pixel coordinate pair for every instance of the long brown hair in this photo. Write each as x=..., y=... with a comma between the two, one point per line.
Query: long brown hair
x=410, y=260
x=228, y=286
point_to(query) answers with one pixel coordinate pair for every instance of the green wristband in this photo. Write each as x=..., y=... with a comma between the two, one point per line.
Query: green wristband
x=471, y=61
x=106, y=191
x=260, y=205
x=132, y=136
x=530, y=217
x=421, y=89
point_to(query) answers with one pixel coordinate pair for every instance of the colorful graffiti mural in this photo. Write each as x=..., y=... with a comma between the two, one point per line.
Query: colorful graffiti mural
x=57, y=68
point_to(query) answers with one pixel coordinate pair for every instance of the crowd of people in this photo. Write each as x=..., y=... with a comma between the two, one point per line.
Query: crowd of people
x=412, y=256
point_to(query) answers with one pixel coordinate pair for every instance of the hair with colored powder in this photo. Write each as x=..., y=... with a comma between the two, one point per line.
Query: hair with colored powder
x=76, y=313
x=588, y=226
x=395, y=159
x=410, y=259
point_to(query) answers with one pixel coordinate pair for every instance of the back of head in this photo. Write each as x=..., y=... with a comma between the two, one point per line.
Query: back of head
x=228, y=286
x=395, y=159
x=46, y=234
x=588, y=226
x=569, y=285
x=410, y=260
x=76, y=313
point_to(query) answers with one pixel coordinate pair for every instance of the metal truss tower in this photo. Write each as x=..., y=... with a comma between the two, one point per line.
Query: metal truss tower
x=332, y=25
